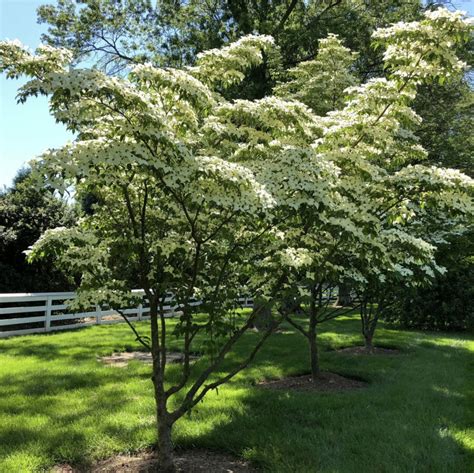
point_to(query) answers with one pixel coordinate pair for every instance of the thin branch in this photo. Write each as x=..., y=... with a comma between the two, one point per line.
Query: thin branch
x=191, y=399
x=131, y=213
x=139, y=338
x=163, y=335
x=143, y=213
x=236, y=370
x=296, y=325
x=333, y=314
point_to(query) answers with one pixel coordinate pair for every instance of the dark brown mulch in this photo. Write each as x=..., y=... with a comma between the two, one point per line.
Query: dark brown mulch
x=325, y=382
x=363, y=351
x=188, y=461
x=121, y=359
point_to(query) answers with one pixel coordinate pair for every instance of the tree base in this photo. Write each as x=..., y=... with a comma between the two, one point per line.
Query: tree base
x=325, y=381
x=362, y=350
x=189, y=461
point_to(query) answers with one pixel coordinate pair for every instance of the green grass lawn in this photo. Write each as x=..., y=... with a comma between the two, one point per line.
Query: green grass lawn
x=59, y=404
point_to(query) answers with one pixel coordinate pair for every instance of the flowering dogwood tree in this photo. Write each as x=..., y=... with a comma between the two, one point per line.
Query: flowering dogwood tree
x=200, y=196
x=424, y=206
x=371, y=141
x=171, y=208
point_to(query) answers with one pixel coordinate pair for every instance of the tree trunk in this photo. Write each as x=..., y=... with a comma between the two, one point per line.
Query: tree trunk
x=368, y=336
x=263, y=316
x=369, y=321
x=165, y=445
x=313, y=348
x=344, y=295
x=164, y=423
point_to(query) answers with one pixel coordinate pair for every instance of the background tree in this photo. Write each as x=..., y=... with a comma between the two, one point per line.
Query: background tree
x=448, y=120
x=26, y=212
x=115, y=33
x=446, y=303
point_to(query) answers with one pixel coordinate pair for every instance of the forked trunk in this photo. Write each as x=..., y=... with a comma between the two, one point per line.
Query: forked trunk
x=369, y=324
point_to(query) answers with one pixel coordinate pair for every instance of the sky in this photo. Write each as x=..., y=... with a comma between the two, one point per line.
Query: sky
x=26, y=130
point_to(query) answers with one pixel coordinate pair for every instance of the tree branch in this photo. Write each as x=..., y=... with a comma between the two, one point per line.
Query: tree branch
x=139, y=338
x=285, y=17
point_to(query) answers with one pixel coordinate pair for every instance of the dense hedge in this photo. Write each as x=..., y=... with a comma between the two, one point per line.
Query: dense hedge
x=448, y=304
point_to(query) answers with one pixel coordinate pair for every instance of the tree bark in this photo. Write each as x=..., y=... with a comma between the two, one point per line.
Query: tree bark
x=313, y=348
x=344, y=295
x=165, y=445
x=263, y=320
x=369, y=316
x=368, y=341
x=164, y=422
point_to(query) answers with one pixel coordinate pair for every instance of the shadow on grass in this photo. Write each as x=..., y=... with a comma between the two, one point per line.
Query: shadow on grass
x=412, y=416
x=411, y=422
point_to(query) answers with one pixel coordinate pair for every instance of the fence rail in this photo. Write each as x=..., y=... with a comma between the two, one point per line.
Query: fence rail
x=50, y=312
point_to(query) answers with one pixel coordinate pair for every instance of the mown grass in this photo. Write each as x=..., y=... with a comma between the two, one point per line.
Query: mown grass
x=59, y=404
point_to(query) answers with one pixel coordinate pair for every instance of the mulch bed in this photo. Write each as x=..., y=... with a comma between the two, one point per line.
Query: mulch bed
x=122, y=359
x=360, y=350
x=187, y=461
x=325, y=382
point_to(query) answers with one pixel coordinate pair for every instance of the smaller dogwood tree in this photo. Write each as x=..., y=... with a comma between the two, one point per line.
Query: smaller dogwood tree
x=369, y=139
x=423, y=207
x=420, y=205
x=320, y=83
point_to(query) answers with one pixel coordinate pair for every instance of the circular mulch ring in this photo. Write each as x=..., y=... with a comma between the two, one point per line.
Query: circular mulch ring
x=325, y=382
x=122, y=359
x=187, y=461
x=361, y=350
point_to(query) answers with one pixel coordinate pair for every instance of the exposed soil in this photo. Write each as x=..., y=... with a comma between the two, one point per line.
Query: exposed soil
x=325, y=382
x=189, y=461
x=360, y=350
x=121, y=359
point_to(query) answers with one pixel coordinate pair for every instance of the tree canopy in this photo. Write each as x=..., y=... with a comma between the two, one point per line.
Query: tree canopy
x=204, y=195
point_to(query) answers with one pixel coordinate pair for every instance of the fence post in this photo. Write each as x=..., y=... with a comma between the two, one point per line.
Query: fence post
x=47, y=320
x=98, y=314
x=140, y=311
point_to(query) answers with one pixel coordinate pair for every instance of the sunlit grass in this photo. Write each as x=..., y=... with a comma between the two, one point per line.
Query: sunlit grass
x=58, y=403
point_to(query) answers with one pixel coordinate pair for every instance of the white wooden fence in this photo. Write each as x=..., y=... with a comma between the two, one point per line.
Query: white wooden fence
x=48, y=311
